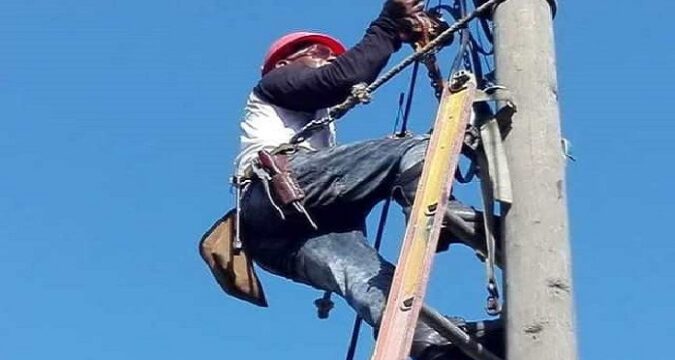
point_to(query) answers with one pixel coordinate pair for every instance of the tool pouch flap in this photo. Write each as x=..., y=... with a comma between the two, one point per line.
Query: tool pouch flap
x=232, y=268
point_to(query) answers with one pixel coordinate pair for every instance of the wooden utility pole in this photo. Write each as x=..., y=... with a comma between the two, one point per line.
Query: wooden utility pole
x=540, y=319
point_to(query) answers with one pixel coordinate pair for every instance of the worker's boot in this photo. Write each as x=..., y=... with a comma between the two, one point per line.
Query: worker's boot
x=430, y=345
x=465, y=225
x=462, y=225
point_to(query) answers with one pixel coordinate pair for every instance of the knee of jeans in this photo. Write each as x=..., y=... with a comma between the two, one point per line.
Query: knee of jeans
x=370, y=297
x=404, y=198
x=414, y=155
x=405, y=186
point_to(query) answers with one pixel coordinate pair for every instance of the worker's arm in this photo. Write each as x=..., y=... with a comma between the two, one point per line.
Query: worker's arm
x=299, y=87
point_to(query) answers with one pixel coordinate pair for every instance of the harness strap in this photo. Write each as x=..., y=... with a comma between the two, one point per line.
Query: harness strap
x=494, y=306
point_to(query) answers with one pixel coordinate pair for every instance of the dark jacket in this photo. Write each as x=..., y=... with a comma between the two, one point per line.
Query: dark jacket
x=302, y=88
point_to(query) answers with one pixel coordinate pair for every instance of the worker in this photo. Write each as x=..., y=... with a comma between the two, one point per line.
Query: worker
x=321, y=240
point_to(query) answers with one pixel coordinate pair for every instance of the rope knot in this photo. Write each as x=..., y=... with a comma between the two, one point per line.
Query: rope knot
x=360, y=92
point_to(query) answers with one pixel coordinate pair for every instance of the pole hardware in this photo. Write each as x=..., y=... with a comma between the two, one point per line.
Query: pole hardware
x=567, y=149
x=554, y=7
x=552, y=3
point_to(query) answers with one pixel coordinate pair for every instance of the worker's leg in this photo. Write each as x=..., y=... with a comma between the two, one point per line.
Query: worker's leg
x=463, y=224
x=361, y=174
x=342, y=184
x=336, y=258
x=344, y=264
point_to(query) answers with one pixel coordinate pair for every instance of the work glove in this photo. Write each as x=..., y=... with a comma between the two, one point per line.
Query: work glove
x=399, y=9
x=413, y=23
x=420, y=28
x=415, y=27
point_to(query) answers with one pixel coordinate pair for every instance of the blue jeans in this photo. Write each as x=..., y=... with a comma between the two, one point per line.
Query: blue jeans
x=342, y=185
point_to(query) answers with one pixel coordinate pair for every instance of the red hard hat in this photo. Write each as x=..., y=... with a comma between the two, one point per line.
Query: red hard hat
x=285, y=46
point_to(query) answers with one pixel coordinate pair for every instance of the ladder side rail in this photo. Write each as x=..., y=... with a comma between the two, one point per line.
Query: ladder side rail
x=421, y=238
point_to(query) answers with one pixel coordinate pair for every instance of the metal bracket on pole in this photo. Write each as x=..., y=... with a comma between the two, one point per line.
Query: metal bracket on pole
x=552, y=3
x=494, y=93
x=492, y=129
x=554, y=7
x=498, y=173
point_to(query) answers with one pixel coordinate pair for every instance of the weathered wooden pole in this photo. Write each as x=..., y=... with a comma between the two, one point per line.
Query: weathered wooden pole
x=540, y=318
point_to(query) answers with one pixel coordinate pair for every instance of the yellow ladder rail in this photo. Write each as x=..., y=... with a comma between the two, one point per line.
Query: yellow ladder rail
x=426, y=219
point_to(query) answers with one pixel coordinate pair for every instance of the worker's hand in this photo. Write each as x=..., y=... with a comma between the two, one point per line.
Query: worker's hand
x=417, y=27
x=399, y=9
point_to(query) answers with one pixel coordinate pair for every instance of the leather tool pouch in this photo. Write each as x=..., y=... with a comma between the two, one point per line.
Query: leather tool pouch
x=230, y=266
x=284, y=186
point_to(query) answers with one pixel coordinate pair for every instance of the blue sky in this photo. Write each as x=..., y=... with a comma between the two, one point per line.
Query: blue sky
x=118, y=125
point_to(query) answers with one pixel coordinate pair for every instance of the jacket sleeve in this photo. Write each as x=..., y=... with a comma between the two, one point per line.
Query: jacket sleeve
x=302, y=88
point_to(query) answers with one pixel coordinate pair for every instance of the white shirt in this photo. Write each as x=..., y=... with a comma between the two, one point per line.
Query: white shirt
x=265, y=126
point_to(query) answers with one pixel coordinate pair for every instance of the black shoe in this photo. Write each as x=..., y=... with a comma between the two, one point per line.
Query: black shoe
x=464, y=225
x=489, y=334
x=444, y=352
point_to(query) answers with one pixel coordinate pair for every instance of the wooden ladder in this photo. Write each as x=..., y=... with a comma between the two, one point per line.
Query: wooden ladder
x=424, y=225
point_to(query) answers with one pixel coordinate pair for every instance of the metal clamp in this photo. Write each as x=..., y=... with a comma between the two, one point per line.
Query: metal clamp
x=494, y=93
x=567, y=149
x=552, y=3
x=494, y=306
x=554, y=7
x=459, y=80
